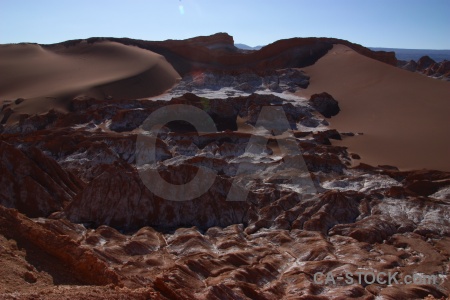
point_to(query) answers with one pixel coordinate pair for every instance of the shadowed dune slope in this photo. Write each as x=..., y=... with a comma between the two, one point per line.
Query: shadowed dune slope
x=404, y=116
x=103, y=69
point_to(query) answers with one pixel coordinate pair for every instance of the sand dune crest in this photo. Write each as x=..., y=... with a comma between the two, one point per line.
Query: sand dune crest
x=404, y=116
x=100, y=69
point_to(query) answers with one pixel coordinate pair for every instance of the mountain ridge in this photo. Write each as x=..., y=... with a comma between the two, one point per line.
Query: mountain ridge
x=217, y=52
x=415, y=54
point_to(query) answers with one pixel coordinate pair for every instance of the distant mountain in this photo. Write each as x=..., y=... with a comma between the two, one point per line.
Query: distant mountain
x=401, y=54
x=247, y=47
x=415, y=54
x=218, y=53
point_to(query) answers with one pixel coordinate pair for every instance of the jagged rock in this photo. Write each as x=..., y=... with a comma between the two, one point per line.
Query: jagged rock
x=410, y=66
x=335, y=208
x=187, y=148
x=324, y=164
x=293, y=78
x=444, y=68
x=34, y=183
x=425, y=62
x=438, y=70
x=83, y=262
x=424, y=187
x=29, y=123
x=325, y=104
x=7, y=112
x=332, y=219
x=127, y=120
x=19, y=100
x=355, y=156
x=332, y=134
x=429, y=67
x=323, y=137
x=216, y=41
x=131, y=205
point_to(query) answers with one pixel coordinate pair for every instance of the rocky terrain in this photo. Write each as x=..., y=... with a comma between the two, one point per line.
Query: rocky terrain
x=71, y=190
x=78, y=219
x=218, y=53
x=428, y=67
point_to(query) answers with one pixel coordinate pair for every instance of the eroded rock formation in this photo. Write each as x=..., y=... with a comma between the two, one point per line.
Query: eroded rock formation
x=99, y=220
x=325, y=104
x=429, y=67
x=217, y=53
x=79, y=218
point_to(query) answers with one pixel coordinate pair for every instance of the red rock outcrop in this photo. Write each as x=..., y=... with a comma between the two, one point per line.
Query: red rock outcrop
x=34, y=183
x=325, y=104
x=429, y=67
x=87, y=267
x=217, y=53
x=107, y=228
x=132, y=205
x=269, y=263
x=425, y=62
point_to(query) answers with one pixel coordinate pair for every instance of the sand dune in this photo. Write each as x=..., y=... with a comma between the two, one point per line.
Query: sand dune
x=404, y=116
x=50, y=76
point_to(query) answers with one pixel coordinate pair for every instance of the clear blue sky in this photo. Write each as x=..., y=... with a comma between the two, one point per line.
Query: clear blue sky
x=423, y=24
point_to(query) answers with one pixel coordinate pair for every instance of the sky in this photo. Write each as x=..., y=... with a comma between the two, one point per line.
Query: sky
x=413, y=24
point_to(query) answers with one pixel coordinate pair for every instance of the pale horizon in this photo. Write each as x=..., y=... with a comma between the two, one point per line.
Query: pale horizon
x=401, y=24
